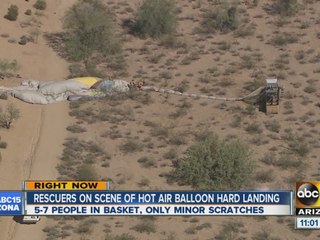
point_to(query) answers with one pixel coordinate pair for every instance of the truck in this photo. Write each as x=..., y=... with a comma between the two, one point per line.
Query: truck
x=30, y=219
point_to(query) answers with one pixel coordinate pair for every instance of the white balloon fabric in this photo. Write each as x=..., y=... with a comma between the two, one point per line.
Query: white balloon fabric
x=45, y=92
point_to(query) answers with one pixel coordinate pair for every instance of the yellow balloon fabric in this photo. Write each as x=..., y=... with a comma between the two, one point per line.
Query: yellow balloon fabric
x=88, y=81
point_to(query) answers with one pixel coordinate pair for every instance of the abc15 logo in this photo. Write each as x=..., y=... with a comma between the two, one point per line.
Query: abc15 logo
x=307, y=194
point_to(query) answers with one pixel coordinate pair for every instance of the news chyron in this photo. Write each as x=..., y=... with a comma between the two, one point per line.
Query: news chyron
x=307, y=199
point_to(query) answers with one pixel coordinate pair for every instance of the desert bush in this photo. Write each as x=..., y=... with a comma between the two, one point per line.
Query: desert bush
x=113, y=134
x=244, y=31
x=77, y=153
x=258, y=81
x=288, y=105
x=255, y=3
x=223, y=18
x=40, y=5
x=236, y=122
x=148, y=123
x=224, y=45
x=178, y=139
x=191, y=229
x=247, y=62
x=89, y=68
x=264, y=235
x=254, y=128
x=84, y=114
x=112, y=115
x=264, y=176
x=89, y=28
x=77, y=70
x=28, y=12
x=170, y=41
x=4, y=96
x=273, y=126
x=123, y=236
x=269, y=158
x=86, y=172
x=3, y=144
x=12, y=13
x=24, y=40
x=211, y=164
x=284, y=39
x=34, y=34
x=12, y=40
x=146, y=226
x=4, y=35
x=289, y=161
x=202, y=135
x=315, y=59
x=311, y=88
x=117, y=62
x=159, y=131
x=155, y=18
x=296, y=143
x=250, y=109
x=171, y=154
x=84, y=227
x=286, y=160
x=204, y=226
x=259, y=140
x=144, y=182
x=194, y=220
x=10, y=114
x=131, y=146
x=182, y=110
x=147, y=162
x=285, y=7
x=155, y=58
x=299, y=55
x=170, y=236
x=282, y=61
x=230, y=231
x=165, y=75
x=143, y=98
x=178, y=113
x=183, y=86
x=75, y=128
x=52, y=232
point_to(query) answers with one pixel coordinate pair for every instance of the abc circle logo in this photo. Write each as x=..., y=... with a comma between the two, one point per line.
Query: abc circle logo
x=308, y=194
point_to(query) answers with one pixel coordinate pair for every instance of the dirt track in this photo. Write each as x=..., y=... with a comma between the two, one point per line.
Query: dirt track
x=44, y=160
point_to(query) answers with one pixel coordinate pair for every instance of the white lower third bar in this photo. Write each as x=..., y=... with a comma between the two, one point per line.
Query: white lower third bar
x=143, y=209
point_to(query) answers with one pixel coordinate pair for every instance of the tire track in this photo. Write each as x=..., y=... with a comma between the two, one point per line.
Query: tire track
x=34, y=145
x=28, y=164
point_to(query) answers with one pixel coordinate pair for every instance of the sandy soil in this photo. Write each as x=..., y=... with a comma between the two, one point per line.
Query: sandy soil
x=34, y=142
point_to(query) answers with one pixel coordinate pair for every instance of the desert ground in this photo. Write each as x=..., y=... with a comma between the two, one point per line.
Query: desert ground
x=137, y=139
